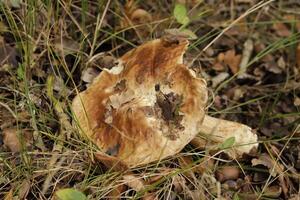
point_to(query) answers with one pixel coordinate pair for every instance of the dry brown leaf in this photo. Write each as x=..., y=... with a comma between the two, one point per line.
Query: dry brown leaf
x=66, y=45
x=116, y=192
x=140, y=16
x=134, y=182
x=60, y=86
x=228, y=58
x=205, y=166
x=186, y=163
x=89, y=74
x=297, y=101
x=162, y=172
x=265, y=160
x=150, y=196
x=135, y=16
x=273, y=192
x=272, y=67
x=281, y=30
x=232, y=60
x=111, y=162
x=197, y=194
x=298, y=56
x=219, y=63
x=218, y=67
x=8, y=54
x=227, y=173
x=24, y=189
x=179, y=183
x=221, y=57
x=12, y=141
x=281, y=63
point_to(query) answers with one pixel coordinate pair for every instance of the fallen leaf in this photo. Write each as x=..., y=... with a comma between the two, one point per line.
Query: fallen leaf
x=180, y=14
x=298, y=56
x=140, y=16
x=218, y=67
x=205, y=166
x=134, y=182
x=150, y=196
x=116, y=192
x=89, y=74
x=297, y=101
x=221, y=57
x=134, y=16
x=197, y=194
x=273, y=192
x=281, y=63
x=60, y=86
x=189, y=33
x=66, y=46
x=107, y=61
x=227, y=173
x=11, y=139
x=265, y=160
x=229, y=142
x=281, y=30
x=210, y=182
x=8, y=54
x=179, y=183
x=186, y=163
x=209, y=51
x=162, y=172
x=272, y=67
x=231, y=185
x=232, y=60
x=24, y=189
x=70, y=194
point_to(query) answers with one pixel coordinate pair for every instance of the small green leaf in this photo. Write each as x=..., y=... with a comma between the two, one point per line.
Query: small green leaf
x=70, y=194
x=190, y=34
x=21, y=72
x=180, y=14
x=236, y=197
x=229, y=142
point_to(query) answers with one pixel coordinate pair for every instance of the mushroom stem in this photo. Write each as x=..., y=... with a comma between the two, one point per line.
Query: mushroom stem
x=218, y=130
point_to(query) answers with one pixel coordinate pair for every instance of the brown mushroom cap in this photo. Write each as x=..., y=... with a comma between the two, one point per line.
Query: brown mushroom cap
x=145, y=109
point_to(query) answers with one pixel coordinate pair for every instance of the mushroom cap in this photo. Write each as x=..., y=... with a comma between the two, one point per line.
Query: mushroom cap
x=145, y=109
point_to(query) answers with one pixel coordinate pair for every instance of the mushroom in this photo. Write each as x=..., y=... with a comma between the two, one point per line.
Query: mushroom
x=150, y=106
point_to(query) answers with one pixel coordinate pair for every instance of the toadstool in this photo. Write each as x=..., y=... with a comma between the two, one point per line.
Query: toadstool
x=150, y=106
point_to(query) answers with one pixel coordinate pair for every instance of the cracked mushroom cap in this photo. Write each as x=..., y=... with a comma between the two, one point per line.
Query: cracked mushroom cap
x=145, y=109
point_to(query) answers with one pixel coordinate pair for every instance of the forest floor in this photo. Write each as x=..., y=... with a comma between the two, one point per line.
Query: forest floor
x=248, y=51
